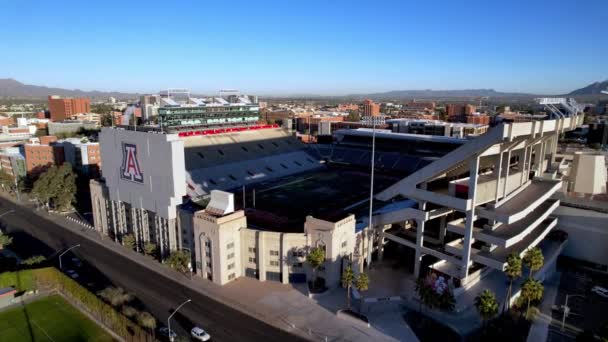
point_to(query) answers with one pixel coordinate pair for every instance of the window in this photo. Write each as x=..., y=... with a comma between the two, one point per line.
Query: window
x=269, y=169
x=344, y=243
x=244, y=148
x=297, y=163
x=298, y=253
x=230, y=256
x=251, y=249
x=207, y=243
x=231, y=266
x=230, y=245
x=252, y=260
x=260, y=146
x=201, y=155
x=220, y=152
x=284, y=166
x=231, y=276
x=250, y=173
x=275, y=144
x=274, y=253
x=232, y=177
x=297, y=264
x=208, y=264
x=274, y=263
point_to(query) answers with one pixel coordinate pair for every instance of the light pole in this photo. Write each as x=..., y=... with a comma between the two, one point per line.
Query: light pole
x=67, y=250
x=171, y=315
x=7, y=212
x=567, y=308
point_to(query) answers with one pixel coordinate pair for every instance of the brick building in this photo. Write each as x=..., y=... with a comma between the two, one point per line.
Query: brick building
x=39, y=157
x=370, y=108
x=64, y=108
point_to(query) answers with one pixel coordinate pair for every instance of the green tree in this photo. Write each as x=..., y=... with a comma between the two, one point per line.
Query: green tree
x=315, y=258
x=362, y=285
x=128, y=240
x=6, y=181
x=486, y=305
x=56, y=187
x=179, y=261
x=5, y=240
x=534, y=260
x=129, y=311
x=106, y=120
x=348, y=276
x=150, y=248
x=116, y=296
x=513, y=271
x=531, y=290
x=146, y=321
x=34, y=260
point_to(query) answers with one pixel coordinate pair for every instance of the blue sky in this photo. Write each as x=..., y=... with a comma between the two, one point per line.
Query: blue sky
x=306, y=46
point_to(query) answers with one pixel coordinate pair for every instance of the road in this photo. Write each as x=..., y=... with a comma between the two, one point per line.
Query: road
x=159, y=293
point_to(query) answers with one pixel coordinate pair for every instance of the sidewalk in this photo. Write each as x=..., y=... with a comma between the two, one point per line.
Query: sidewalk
x=540, y=327
x=282, y=306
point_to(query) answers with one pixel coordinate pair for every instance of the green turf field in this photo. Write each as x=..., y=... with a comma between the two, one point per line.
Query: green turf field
x=49, y=319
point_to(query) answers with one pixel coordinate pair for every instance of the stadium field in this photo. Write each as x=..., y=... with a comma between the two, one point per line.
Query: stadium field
x=49, y=319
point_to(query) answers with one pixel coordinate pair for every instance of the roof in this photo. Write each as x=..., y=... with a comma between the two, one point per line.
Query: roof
x=367, y=132
x=7, y=291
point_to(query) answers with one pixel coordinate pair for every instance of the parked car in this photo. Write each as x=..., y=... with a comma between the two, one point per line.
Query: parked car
x=600, y=291
x=77, y=262
x=72, y=274
x=199, y=334
x=170, y=334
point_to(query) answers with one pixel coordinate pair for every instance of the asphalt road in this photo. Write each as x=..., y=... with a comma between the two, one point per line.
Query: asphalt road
x=160, y=294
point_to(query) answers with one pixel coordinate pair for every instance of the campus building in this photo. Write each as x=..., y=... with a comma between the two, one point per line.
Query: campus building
x=64, y=108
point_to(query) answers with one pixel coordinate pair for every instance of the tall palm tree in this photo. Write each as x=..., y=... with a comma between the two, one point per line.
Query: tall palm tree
x=534, y=260
x=348, y=276
x=486, y=305
x=513, y=271
x=531, y=290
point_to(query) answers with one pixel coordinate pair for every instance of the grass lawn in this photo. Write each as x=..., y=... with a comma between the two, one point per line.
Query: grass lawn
x=49, y=319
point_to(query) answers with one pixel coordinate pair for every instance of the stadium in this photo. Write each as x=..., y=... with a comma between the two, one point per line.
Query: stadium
x=252, y=200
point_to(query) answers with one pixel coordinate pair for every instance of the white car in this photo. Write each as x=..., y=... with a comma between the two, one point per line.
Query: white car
x=199, y=334
x=600, y=291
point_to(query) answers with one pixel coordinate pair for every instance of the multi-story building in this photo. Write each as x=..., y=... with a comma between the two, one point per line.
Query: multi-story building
x=82, y=154
x=436, y=127
x=369, y=108
x=13, y=162
x=39, y=157
x=64, y=108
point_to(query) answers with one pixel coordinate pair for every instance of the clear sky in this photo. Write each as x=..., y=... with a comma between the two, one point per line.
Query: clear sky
x=306, y=46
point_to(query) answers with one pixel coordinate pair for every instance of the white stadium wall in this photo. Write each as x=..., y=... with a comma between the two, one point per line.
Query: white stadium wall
x=144, y=169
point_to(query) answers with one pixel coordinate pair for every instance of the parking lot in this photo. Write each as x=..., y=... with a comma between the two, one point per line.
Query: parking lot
x=587, y=309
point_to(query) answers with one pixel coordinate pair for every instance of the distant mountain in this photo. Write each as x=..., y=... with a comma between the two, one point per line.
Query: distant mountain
x=595, y=88
x=429, y=93
x=13, y=88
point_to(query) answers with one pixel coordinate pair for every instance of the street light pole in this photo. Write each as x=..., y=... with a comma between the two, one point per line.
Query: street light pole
x=7, y=212
x=567, y=309
x=169, y=319
x=67, y=250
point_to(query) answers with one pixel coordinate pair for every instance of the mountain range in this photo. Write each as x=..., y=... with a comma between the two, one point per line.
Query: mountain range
x=12, y=88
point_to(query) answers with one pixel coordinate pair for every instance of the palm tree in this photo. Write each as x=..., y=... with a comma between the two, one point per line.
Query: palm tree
x=348, y=276
x=315, y=258
x=5, y=240
x=129, y=311
x=531, y=290
x=486, y=305
x=362, y=285
x=128, y=240
x=147, y=321
x=534, y=260
x=513, y=271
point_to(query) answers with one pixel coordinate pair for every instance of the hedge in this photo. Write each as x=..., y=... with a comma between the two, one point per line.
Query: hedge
x=50, y=278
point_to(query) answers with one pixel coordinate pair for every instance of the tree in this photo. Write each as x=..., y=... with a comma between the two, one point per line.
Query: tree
x=116, y=296
x=128, y=240
x=531, y=290
x=362, y=285
x=348, y=276
x=5, y=240
x=56, y=187
x=179, y=261
x=435, y=292
x=146, y=321
x=34, y=260
x=513, y=271
x=534, y=260
x=150, y=248
x=106, y=120
x=486, y=305
x=315, y=258
x=129, y=311
x=6, y=181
